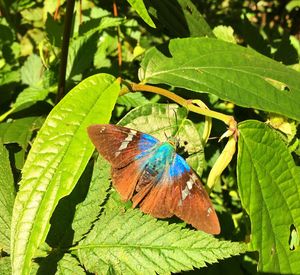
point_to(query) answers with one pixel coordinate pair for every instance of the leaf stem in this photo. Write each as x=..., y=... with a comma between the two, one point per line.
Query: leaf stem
x=228, y=120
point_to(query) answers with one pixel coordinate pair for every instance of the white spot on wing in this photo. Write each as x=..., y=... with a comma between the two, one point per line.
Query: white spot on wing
x=124, y=145
x=184, y=193
x=191, y=181
x=209, y=210
x=194, y=177
x=189, y=184
x=102, y=130
x=126, y=141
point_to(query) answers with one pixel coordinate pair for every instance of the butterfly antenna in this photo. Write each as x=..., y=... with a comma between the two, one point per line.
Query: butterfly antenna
x=175, y=132
x=170, y=124
x=176, y=119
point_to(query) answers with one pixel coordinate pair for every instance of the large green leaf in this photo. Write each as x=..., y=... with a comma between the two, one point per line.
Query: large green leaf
x=269, y=186
x=229, y=71
x=132, y=243
x=55, y=163
x=7, y=196
x=169, y=120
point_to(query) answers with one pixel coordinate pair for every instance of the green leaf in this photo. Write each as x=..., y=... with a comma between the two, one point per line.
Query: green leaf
x=7, y=36
x=61, y=233
x=292, y=4
x=5, y=266
x=168, y=120
x=69, y=265
x=269, y=186
x=9, y=77
x=225, y=33
x=32, y=70
x=19, y=130
x=26, y=99
x=54, y=30
x=229, y=71
x=132, y=100
x=7, y=197
x=81, y=54
x=133, y=243
x=140, y=8
x=34, y=14
x=88, y=210
x=29, y=96
x=180, y=18
x=55, y=162
x=83, y=48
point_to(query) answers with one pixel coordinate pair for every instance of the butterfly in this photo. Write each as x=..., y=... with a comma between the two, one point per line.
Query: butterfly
x=154, y=176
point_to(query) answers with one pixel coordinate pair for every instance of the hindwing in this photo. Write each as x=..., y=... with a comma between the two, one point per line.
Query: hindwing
x=191, y=202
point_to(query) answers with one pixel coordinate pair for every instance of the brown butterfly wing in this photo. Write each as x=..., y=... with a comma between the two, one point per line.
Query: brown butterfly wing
x=120, y=146
x=194, y=205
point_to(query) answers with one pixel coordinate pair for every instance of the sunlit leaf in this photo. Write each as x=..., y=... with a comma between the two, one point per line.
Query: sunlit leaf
x=269, y=186
x=7, y=196
x=55, y=163
x=138, y=244
x=231, y=72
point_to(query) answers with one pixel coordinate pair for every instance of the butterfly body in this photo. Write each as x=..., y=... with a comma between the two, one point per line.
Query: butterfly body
x=161, y=157
x=154, y=176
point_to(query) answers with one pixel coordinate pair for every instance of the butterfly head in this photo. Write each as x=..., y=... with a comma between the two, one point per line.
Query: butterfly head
x=174, y=141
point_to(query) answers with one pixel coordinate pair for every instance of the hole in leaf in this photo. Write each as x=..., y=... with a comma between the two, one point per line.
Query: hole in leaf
x=294, y=238
x=277, y=84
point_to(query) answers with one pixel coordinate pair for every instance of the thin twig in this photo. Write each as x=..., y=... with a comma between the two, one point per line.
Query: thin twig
x=115, y=11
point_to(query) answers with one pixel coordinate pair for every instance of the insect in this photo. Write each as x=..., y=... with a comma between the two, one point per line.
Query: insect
x=154, y=176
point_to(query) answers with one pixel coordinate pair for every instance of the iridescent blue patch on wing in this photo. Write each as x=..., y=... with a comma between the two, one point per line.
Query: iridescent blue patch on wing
x=146, y=144
x=178, y=167
x=159, y=157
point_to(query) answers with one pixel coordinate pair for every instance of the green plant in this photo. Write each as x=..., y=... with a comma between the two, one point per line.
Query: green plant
x=64, y=216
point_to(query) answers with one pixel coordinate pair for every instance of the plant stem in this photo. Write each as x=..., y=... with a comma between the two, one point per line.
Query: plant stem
x=229, y=120
x=64, y=50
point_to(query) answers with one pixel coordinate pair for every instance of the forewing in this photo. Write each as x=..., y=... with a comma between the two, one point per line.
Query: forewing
x=190, y=202
x=120, y=145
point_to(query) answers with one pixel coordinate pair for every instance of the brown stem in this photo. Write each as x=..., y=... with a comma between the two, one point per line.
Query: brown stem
x=64, y=50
